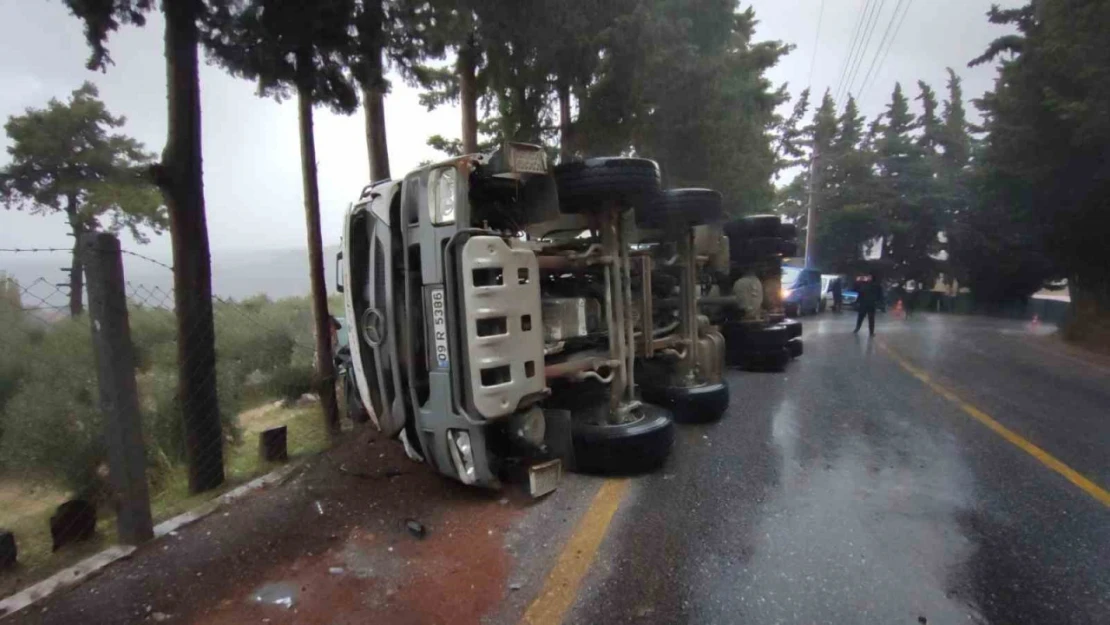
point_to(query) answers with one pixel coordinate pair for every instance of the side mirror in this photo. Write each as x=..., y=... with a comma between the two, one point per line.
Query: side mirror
x=339, y=272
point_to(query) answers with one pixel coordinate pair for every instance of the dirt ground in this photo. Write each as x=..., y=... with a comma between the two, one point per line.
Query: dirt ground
x=330, y=545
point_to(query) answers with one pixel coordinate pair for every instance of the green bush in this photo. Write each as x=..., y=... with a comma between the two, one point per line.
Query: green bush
x=290, y=383
x=50, y=422
x=53, y=430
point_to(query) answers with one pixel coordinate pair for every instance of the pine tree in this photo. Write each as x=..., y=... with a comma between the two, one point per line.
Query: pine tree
x=66, y=158
x=820, y=135
x=684, y=83
x=848, y=214
x=179, y=176
x=1048, y=143
x=901, y=192
x=290, y=46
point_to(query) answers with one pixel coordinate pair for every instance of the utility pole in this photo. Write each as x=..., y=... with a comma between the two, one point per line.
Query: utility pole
x=811, y=211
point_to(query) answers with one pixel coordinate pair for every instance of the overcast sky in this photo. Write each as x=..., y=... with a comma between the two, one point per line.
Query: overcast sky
x=251, y=151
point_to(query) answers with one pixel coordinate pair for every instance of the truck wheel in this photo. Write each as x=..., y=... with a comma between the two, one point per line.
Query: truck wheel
x=796, y=348
x=694, y=404
x=755, y=248
x=770, y=360
x=788, y=248
x=592, y=184
x=635, y=447
x=788, y=231
x=681, y=207
x=756, y=338
x=793, y=328
x=754, y=226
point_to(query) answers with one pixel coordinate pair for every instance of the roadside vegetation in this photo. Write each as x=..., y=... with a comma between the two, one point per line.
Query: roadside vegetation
x=1008, y=206
x=50, y=422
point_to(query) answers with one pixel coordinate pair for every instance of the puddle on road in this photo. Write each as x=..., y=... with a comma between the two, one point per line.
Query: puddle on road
x=281, y=594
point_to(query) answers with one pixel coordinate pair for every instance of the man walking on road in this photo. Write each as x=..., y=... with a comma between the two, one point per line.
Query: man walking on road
x=870, y=293
x=837, y=294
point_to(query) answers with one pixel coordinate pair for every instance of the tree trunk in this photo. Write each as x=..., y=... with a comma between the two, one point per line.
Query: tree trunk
x=76, y=267
x=566, y=149
x=181, y=179
x=468, y=98
x=325, y=366
x=811, y=210
x=373, y=99
x=1088, y=320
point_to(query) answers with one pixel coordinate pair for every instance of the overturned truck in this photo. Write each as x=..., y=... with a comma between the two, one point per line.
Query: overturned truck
x=500, y=311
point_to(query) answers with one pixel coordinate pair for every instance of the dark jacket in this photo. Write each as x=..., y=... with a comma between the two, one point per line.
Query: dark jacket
x=870, y=294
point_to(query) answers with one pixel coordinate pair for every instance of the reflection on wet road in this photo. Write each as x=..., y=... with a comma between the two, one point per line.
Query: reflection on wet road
x=846, y=491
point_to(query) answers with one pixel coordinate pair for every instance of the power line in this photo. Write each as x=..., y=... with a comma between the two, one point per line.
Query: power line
x=816, y=39
x=884, y=53
x=864, y=6
x=874, y=20
x=853, y=50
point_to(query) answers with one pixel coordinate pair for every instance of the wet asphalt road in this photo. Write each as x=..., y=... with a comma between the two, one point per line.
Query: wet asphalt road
x=847, y=491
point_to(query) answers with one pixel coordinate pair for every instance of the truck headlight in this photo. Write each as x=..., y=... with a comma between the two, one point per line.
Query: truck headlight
x=441, y=195
x=786, y=293
x=462, y=455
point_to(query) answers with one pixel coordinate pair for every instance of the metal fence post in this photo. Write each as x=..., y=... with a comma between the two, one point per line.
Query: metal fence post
x=119, y=397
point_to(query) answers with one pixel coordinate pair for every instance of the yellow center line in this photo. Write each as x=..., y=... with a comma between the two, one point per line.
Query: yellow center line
x=1045, y=458
x=561, y=586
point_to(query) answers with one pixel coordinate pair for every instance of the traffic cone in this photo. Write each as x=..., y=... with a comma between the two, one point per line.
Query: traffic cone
x=1035, y=322
x=899, y=311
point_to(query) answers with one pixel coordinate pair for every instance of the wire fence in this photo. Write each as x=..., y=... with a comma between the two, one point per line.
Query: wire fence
x=68, y=420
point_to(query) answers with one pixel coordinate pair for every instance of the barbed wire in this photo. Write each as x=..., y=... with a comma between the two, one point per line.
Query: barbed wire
x=18, y=250
x=148, y=259
x=26, y=250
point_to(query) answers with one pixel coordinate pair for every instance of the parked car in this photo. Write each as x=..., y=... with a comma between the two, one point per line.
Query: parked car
x=801, y=291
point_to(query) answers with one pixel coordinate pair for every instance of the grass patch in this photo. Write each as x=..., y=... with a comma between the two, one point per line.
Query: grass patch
x=26, y=510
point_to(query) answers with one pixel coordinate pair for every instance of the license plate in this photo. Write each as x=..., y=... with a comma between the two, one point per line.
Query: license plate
x=544, y=477
x=440, y=356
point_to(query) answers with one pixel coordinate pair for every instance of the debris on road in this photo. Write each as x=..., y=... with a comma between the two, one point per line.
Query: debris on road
x=416, y=528
x=281, y=594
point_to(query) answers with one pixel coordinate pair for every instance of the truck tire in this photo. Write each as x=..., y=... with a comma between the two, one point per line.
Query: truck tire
x=788, y=231
x=695, y=404
x=788, y=248
x=757, y=339
x=770, y=360
x=793, y=328
x=796, y=347
x=681, y=207
x=754, y=226
x=592, y=184
x=755, y=248
x=635, y=447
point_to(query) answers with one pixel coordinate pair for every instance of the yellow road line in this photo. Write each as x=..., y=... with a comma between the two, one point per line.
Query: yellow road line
x=1014, y=438
x=561, y=586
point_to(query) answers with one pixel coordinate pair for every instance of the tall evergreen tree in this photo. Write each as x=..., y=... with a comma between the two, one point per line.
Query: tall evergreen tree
x=848, y=213
x=66, y=158
x=1047, y=151
x=684, y=82
x=903, y=182
x=820, y=135
x=305, y=48
x=179, y=176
